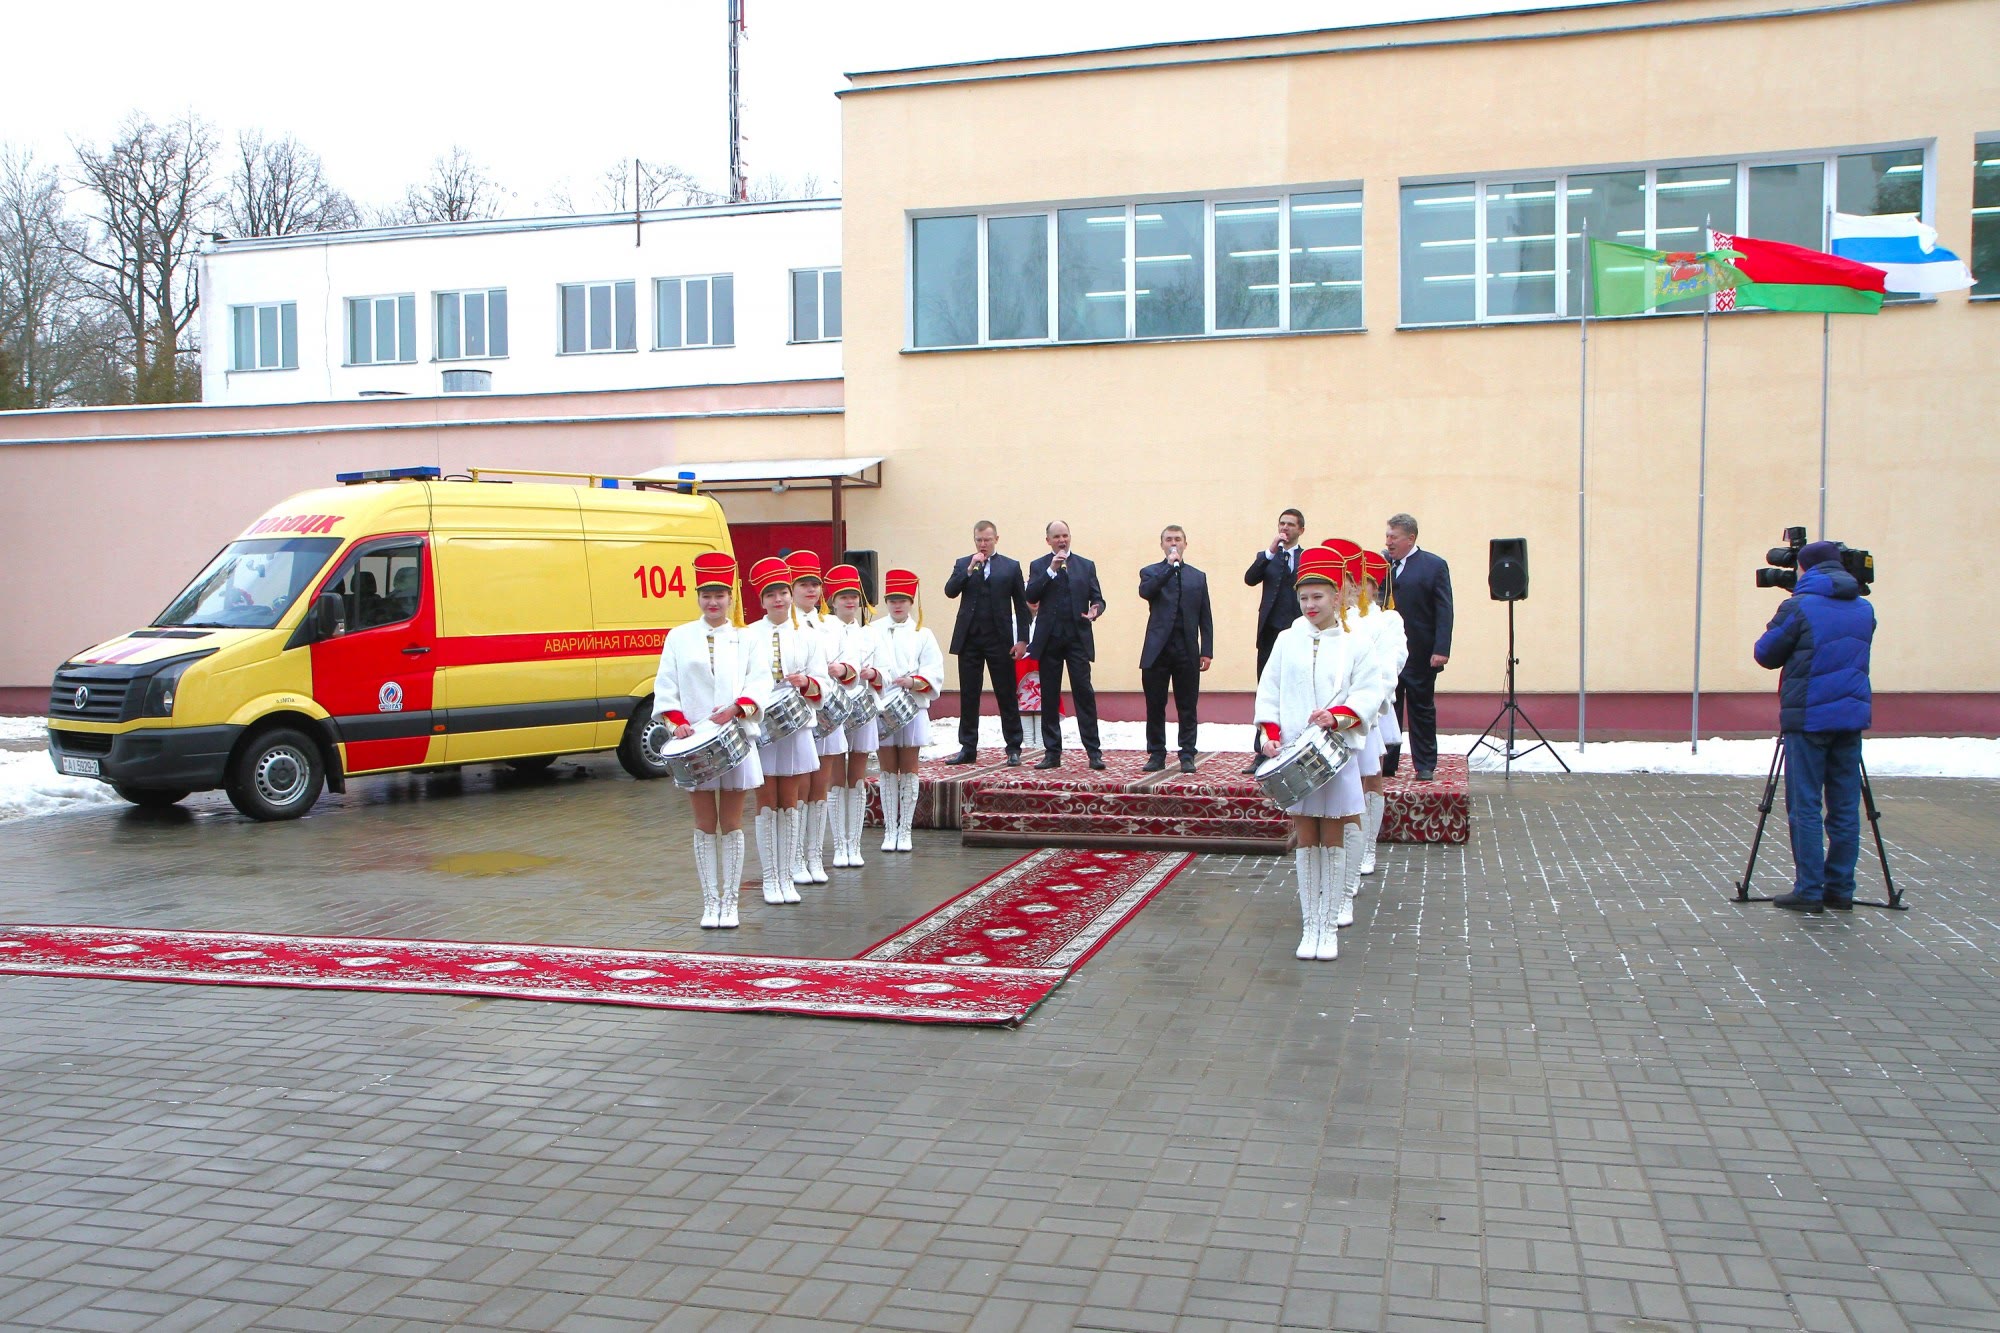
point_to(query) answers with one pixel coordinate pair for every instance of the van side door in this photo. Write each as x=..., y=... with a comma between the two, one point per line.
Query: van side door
x=377, y=675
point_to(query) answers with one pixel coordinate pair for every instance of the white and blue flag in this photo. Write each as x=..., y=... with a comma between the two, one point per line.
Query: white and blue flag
x=1904, y=248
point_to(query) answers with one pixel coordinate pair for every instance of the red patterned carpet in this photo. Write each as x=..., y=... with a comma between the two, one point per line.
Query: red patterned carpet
x=989, y=955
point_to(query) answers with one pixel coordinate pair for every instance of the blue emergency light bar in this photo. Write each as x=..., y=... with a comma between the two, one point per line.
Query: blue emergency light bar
x=388, y=474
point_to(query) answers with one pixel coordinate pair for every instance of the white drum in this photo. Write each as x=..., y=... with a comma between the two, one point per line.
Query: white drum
x=785, y=712
x=898, y=706
x=1308, y=763
x=705, y=756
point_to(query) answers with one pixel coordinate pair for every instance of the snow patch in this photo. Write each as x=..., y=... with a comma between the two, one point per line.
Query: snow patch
x=30, y=785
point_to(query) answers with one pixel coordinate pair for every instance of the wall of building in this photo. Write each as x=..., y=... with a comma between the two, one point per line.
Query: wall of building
x=108, y=513
x=1475, y=430
x=759, y=245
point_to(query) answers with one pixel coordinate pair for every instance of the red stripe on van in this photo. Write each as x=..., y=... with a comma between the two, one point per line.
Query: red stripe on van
x=488, y=649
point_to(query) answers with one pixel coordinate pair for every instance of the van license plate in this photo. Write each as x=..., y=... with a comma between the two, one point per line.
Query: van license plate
x=82, y=768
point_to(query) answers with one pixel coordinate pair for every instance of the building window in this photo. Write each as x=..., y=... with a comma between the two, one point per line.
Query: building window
x=599, y=317
x=265, y=337
x=815, y=304
x=381, y=329
x=1171, y=268
x=471, y=324
x=1485, y=251
x=694, y=312
x=1986, y=216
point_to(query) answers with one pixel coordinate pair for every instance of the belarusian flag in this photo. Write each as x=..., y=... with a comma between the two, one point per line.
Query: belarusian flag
x=1791, y=277
x=1627, y=280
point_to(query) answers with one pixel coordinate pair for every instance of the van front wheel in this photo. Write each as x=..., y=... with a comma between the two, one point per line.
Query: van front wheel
x=645, y=737
x=276, y=775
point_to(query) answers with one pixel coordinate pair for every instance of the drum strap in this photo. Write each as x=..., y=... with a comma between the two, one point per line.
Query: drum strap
x=777, y=656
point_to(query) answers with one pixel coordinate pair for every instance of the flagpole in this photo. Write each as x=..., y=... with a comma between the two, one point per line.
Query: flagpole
x=1825, y=383
x=1582, y=515
x=1700, y=528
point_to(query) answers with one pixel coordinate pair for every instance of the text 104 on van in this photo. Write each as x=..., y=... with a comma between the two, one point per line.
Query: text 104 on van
x=655, y=582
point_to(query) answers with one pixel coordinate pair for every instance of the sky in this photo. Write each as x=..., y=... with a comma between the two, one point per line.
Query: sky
x=544, y=95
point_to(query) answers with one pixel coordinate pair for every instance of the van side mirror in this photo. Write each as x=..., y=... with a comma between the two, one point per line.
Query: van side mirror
x=329, y=617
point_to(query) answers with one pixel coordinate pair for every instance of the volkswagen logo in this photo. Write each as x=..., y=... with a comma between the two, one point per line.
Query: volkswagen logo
x=82, y=697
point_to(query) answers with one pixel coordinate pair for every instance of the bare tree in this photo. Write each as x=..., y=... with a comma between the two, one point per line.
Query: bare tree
x=650, y=184
x=771, y=187
x=154, y=185
x=278, y=187
x=457, y=190
x=44, y=331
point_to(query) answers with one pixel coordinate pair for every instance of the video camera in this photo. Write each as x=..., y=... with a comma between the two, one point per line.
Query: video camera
x=1860, y=564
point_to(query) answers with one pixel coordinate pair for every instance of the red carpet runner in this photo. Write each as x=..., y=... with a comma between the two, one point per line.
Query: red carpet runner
x=989, y=955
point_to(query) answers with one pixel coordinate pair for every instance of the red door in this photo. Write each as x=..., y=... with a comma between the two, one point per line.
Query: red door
x=376, y=676
x=754, y=541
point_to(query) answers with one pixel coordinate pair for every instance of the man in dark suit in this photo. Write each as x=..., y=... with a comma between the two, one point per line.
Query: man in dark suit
x=1275, y=569
x=989, y=636
x=1180, y=641
x=1064, y=587
x=1421, y=585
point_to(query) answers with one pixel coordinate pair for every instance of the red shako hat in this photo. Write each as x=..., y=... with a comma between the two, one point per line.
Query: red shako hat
x=842, y=578
x=804, y=565
x=899, y=583
x=1320, y=564
x=715, y=569
x=767, y=572
x=1375, y=565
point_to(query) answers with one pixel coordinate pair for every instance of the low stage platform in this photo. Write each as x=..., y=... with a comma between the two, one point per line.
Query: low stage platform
x=1218, y=807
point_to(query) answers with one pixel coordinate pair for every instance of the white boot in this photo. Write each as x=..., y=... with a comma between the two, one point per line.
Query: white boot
x=704, y=869
x=1377, y=803
x=816, y=841
x=856, y=819
x=768, y=849
x=892, y=804
x=1305, y=861
x=836, y=818
x=732, y=878
x=791, y=833
x=1353, y=839
x=1332, y=875
x=800, y=875
x=908, y=811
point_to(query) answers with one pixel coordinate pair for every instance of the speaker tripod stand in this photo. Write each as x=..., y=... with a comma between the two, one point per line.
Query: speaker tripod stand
x=1895, y=901
x=1512, y=713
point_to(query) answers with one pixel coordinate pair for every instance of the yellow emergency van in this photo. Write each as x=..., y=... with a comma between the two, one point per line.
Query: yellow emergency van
x=397, y=621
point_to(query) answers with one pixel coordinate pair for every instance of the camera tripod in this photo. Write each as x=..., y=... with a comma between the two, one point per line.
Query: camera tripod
x=1743, y=895
x=1511, y=711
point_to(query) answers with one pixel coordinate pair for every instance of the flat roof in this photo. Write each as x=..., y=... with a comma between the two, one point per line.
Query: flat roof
x=217, y=244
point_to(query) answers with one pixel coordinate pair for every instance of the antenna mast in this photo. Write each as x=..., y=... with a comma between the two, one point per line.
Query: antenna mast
x=738, y=187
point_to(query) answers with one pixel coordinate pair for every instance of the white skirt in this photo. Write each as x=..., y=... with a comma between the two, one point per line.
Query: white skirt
x=789, y=757
x=1392, y=734
x=833, y=743
x=912, y=735
x=746, y=776
x=1370, y=756
x=864, y=739
x=1336, y=799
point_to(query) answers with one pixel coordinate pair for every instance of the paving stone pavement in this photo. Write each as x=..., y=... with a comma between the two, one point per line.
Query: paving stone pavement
x=1555, y=1081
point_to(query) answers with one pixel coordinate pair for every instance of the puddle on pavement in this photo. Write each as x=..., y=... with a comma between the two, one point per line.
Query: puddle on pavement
x=480, y=865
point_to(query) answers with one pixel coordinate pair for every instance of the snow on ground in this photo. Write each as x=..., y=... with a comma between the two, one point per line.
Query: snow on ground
x=29, y=783
x=1886, y=756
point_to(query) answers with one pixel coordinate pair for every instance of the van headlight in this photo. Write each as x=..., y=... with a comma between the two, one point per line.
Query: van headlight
x=160, y=690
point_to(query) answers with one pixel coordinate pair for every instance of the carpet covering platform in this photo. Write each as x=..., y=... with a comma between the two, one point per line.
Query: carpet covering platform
x=1218, y=807
x=989, y=955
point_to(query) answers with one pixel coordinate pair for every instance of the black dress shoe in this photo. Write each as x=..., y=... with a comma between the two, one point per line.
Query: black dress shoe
x=1154, y=764
x=1791, y=902
x=1426, y=775
x=1097, y=762
x=966, y=756
x=1187, y=765
x=1050, y=760
x=1014, y=757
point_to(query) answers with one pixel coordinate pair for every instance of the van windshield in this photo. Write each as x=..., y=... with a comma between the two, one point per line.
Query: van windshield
x=251, y=584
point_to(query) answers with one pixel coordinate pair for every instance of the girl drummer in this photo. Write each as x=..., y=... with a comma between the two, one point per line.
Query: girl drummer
x=907, y=658
x=808, y=858
x=1367, y=574
x=700, y=686
x=777, y=655
x=1315, y=679
x=847, y=792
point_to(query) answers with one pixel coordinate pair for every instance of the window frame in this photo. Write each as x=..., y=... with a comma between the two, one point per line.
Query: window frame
x=1050, y=210
x=1983, y=145
x=819, y=312
x=278, y=309
x=1743, y=223
x=347, y=349
x=614, y=284
x=683, y=279
x=459, y=294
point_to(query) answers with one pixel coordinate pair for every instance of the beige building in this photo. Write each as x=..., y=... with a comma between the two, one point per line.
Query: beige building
x=1066, y=299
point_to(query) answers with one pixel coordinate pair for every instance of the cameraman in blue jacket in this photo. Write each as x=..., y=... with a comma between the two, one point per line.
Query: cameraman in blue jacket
x=1819, y=639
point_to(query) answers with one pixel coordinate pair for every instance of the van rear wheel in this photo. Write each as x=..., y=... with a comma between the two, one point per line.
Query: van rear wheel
x=645, y=737
x=150, y=798
x=276, y=775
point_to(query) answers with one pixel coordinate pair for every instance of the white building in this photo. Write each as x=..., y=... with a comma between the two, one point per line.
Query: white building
x=735, y=294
